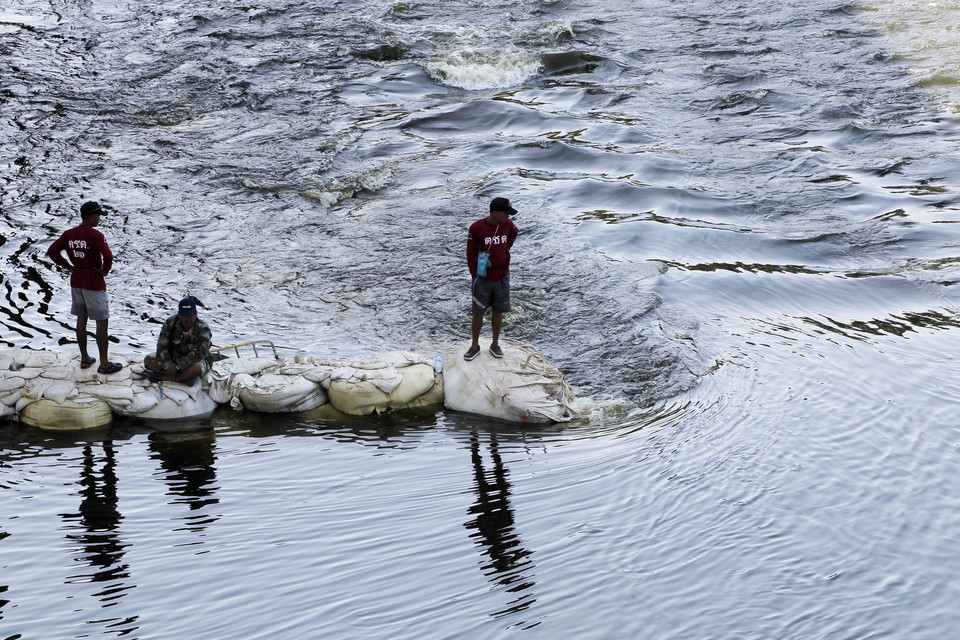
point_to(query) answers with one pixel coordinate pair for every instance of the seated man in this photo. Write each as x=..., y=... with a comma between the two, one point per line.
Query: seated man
x=183, y=349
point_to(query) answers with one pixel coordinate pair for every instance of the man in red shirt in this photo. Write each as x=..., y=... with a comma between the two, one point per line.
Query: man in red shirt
x=90, y=260
x=488, y=257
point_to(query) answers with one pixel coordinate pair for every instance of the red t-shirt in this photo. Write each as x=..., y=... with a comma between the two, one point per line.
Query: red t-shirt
x=89, y=255
x=497, y=239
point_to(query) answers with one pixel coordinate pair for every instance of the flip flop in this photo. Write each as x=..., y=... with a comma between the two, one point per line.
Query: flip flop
x=110, y=367
x=89, y=362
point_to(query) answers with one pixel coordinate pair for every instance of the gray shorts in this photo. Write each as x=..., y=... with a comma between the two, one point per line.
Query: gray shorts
x=488, y=294
x=91, y=304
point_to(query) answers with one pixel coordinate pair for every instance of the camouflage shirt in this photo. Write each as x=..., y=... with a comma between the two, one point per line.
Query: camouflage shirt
x=183, y=348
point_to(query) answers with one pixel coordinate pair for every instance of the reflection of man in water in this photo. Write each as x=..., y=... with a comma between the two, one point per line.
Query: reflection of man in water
x=98, y=521
x=494, y=524
x=189, y=461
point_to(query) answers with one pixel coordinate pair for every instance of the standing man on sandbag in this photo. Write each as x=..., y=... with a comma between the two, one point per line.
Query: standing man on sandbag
x=90, y=260
x=183, y=348
x=488, y=257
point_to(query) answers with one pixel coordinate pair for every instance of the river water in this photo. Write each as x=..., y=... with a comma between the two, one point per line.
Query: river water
x=738, y=243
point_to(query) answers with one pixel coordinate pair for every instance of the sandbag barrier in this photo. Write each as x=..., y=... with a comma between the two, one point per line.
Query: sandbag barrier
x=49, y=390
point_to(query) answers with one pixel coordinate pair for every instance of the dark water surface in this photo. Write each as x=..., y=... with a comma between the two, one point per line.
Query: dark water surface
x=738, y=241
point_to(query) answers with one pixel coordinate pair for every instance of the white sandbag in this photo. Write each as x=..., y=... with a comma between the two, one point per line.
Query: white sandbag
x=28, y=373
x=60, y=372
x=233, y=366
x=177, y=392
x=225, y=388
x=6, y=412
x=60, y=390
x=220, y=391
x=269, y=385
x=39, y=359
x=314, y=360
x=433, y=396
x=34, y=388
x=57, y=390
x=274, y=393
x=123, y=375
x=395, y=359
x=10, y=399
x=291, y=368
x=319, y=374
x=144, y=399
x=386, y=378
x=192, y=408
x=86, y=376
x=117, y=396
x=66, y=416
x=10, y=382
x=520, y=387
x=316, y=368
x=227, y=377
x=363, y=395
x=311, y=371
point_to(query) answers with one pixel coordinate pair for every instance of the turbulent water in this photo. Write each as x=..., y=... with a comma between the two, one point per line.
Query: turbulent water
x=737, y=241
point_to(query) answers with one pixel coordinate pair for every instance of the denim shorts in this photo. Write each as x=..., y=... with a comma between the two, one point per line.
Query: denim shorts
x=91, y=304
x=487, y=294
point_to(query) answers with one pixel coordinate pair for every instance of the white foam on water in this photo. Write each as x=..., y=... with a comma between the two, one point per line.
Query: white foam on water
x=376, y=179
x=327, y=198
x=601, y=411
x=349, y=185
x=927, y=35
x=475, y=70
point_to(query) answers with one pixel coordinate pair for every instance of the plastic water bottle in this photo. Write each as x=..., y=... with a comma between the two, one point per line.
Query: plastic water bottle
x=438, y=364
x=483, y=261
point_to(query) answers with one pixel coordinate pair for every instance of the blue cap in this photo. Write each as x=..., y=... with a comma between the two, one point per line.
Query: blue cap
x=188, y=307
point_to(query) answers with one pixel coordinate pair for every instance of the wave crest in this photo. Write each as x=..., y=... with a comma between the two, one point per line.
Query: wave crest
x=476, y=70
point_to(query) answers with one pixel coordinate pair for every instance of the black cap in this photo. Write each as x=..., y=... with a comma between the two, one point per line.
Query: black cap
x=90, y=208
x=188, y=307
x=502, y=204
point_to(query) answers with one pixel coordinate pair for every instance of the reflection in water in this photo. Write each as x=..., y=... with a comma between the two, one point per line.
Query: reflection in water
x=897, y=325
x=95, y=535
x=188, y=460
x=3, y=587
x=493, y=523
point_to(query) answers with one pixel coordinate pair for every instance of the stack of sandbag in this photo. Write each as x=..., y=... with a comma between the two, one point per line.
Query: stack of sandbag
x=520, y=387
x=162, y=400
x=49, y=389
x=29, y=376
x=269, y=385
x=382, y=383
x=387, y=381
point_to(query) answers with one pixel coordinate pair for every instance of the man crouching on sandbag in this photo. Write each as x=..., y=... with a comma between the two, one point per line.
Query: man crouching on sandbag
x=183, y=349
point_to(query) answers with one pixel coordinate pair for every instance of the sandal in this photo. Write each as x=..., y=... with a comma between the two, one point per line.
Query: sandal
x=110, y=367
x=86, y=363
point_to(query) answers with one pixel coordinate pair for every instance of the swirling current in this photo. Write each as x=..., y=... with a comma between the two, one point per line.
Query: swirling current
x=737, y=241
